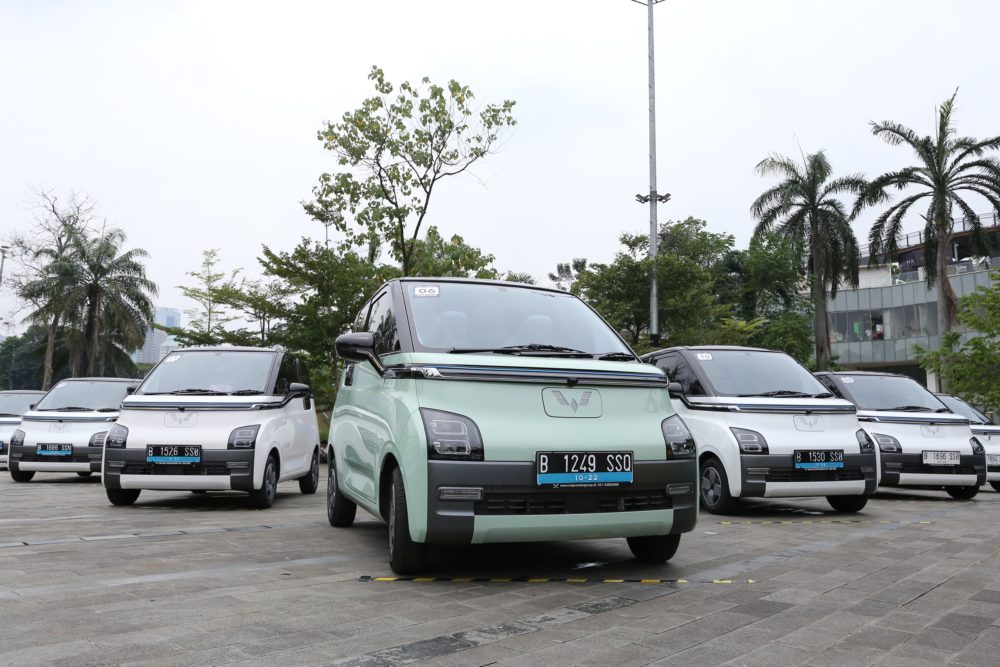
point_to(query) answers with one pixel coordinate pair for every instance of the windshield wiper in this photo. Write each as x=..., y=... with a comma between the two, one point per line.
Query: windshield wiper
x=616, y=356
x=545, y=350
x=202, y=392
x=780, y=392
x=8, y=414
x=912, y=408
x=66, y=408
x=246, y=392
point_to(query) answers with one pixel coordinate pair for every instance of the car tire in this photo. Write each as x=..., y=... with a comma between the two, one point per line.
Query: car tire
x=21, y=475
x=654, y=548
x=962, y=492
x=405, y=555
x=263, y=497
x=996, y=486
x=714, y=491
x=847, y=503
x=123, y=496
x=84, y=474
x=309, y=482
x=340, y=510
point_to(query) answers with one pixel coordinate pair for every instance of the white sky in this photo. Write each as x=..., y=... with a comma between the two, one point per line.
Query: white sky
x=193, y=124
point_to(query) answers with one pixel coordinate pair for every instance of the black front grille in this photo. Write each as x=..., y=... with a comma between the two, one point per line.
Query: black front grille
x=161, y=469
x=992, y=468
x=582, y=502
x=938, y=470
x=790, y=475
x=35, y=458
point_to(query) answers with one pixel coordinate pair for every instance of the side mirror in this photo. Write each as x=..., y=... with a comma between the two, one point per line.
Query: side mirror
x=129, y=390
x=32, y=406
x=358, y=347
x=298, y=388
x=675, y=390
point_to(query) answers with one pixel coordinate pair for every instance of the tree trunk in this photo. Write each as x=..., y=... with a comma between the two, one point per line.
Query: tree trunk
x=50, y=348
x=947, y=312
x=91, y=335
x=821, y=331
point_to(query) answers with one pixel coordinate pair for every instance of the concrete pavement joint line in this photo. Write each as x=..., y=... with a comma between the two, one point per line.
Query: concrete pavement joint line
x=544, y=580
x=49, y=518
x=152, y=533
x=104, y=584
x=807, y=522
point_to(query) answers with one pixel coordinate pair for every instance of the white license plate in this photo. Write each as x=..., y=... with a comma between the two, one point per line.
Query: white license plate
x=942, y=458
x=993, y=459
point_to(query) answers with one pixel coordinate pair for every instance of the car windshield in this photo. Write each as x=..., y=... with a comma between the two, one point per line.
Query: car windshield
x=960, y=407
x=481, y=317
x=888, y=392
x=210, y=372
x=756, y=373
x=16, y=404
x=79, y=395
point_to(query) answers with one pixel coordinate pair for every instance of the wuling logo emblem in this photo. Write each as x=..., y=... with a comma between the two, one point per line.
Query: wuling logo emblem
x=572, y=404
x=180, y=419
x=584, y=403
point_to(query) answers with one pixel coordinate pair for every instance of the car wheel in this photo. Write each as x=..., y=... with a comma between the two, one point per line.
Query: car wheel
x=405, y=555
x=847, y=503
x=996, y=486
x=84, y=474
x=263, y=497
x=123, y=496
x=21, y=475
x=962, y=492
x=715, y=495
x=340, y=510
x=310, y=481
x=654, y=548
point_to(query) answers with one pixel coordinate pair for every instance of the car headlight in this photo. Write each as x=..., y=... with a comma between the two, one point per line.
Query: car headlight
x=451, y=436
x=97, y=440
x=887, y=443
x=244, y=437
x=750, y=442
x=17, y=439
x=977, y=447
x=680, y=442
x=865, y=441
x=117, y=436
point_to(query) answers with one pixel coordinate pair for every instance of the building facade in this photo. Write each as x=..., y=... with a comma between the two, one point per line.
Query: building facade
x=151, y=350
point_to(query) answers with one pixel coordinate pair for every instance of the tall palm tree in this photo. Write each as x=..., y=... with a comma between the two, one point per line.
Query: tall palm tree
x=112, y=297
x=804, y=206
x=948, y=169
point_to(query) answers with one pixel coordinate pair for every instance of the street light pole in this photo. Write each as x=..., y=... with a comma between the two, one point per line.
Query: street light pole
x=3, y=260
x=652, y=198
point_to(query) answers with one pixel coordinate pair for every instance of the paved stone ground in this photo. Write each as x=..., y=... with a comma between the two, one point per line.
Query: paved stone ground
x=200, y=579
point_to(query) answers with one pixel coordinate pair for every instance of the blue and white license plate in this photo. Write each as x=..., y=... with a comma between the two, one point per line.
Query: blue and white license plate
x=173, y=453
x=583, y=468
x=819, y=459
x=50, y=449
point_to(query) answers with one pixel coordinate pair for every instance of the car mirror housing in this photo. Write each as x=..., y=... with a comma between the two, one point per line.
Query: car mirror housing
x=298, y=388
x=358, y=347
x=129, y=390
x=675, y=390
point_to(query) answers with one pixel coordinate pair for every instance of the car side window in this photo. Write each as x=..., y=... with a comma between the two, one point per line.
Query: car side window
x=382, y=325
x=678, y=371
x=359, y=321
x=286, y=375
x=828, y=382
x=303, y=372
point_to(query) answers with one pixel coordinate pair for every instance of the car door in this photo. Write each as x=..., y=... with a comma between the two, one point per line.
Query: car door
x=286, y=428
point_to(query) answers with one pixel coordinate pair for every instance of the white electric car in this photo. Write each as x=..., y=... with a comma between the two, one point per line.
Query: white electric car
x=64, y=432
x=765, y=427
x=216, y=419
x=13, y=404
x=922, y=444
x=985, y=430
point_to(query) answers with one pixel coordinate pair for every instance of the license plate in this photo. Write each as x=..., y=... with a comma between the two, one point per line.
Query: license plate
x=173, y=453
x=993, y=459
x=44, y=449
x=583, y=468
x=819, y=459
x=942, y=458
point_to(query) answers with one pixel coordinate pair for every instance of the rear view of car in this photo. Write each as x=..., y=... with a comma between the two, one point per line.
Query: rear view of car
x=922, y=444
x=985, y=430
x=65, y=431
x=13, y=404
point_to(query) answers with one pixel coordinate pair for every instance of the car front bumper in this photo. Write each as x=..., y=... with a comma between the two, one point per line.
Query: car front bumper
x=903, y=469
x=27, y=459
x=775, y=476
x=219, y=470
x=661, y=500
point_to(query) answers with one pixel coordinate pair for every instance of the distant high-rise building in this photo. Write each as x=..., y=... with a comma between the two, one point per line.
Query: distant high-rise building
x=150, y=352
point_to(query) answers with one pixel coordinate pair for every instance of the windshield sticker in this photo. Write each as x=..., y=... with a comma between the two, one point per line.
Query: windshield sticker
x=847, y=380
x=704, y=356
x=426, y=290
x=172, y=358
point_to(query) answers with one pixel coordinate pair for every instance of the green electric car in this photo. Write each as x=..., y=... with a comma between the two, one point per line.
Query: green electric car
x=476, y=411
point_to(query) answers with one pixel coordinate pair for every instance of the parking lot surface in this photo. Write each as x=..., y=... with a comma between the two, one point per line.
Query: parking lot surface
x=192, y=579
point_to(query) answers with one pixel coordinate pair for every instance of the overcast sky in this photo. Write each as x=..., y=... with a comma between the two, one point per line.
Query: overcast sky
x=193, y=124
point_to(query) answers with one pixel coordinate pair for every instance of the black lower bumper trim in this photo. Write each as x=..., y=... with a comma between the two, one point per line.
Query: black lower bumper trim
x=912, y=464
x=91, y=455
x=757, y=470
x=215, y=462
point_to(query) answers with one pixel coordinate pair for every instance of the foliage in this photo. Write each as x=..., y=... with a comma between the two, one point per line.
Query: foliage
x=568, y=273
x=970, y=367
x=395, y=149
x=519, y=277
x=804, y=206
x=434, y=256
x=948, y=170
x=207, y=323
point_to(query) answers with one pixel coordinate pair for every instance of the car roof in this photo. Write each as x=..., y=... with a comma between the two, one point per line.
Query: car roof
x=99, y=379
x=892, y=375
x=229, y=348
x=476, y=281
x=21, y=391
x=737, y=348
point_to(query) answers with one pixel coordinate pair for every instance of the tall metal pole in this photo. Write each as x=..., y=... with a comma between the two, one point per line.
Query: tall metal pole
x=3, y=259
x=654, y=319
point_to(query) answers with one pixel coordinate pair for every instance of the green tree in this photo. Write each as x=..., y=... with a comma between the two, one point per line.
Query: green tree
x=433, y=256
x=948, y=170
x=395, y=149
x=264, y=304
x=519, y=277
x=805, y=206
x=207, y=323
x=568, y=273
x=969, y=365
